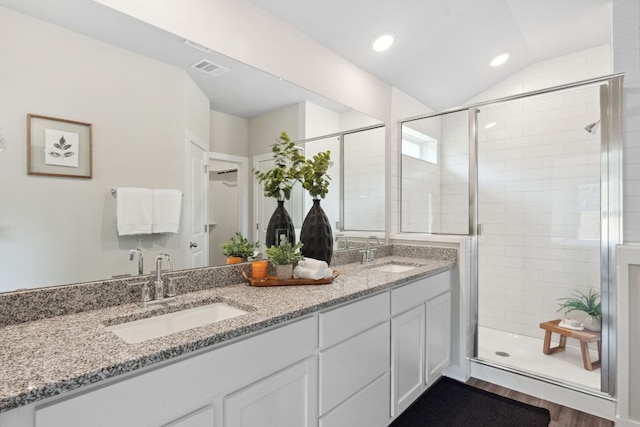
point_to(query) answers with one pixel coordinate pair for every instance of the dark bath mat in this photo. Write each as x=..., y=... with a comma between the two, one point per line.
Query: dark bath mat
x=449, y=403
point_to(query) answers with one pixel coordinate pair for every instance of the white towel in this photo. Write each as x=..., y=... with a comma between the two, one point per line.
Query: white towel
x=166, y=211
x=133, y=210
x=307, y=273
x=328, y=273
x=314, y=264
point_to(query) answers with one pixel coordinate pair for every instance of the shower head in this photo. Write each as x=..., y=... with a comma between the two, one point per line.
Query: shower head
x=593, y=127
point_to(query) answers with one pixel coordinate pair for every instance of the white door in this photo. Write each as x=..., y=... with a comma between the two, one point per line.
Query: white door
x=197, y=202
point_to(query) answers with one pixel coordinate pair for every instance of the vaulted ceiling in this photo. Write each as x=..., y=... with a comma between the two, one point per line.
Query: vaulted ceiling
x=440, y=55
x=442, y=47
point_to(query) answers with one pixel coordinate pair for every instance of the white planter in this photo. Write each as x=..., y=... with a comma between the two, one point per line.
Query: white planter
x=589, y=322
x=284, y=272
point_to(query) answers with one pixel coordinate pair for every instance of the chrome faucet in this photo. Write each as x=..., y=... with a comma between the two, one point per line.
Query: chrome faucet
x=367, y=253
x=159, y=284
x=132, y=253
x=343, y=237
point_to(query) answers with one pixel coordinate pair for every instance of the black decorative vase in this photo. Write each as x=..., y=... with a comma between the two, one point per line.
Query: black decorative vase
x=316, y=235
x=280, y=223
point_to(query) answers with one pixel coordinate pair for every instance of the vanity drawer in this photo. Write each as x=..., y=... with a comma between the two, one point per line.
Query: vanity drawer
x=349, y=366
x=369, y=407
x=408, y=296
x=348, y=320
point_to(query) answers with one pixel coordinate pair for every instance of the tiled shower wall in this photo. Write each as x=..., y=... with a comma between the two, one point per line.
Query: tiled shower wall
x=539, y=204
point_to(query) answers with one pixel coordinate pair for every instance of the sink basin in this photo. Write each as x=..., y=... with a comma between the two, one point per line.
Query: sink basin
x=166, y=324
x=393, y=267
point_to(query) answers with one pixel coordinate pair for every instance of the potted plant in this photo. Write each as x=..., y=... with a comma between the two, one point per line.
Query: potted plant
x=283, y=256
x=238, y=248
x=589, y=304
x=278, y=184
x=316, y=234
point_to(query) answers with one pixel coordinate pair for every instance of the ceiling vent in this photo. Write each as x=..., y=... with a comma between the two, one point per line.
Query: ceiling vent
x=209, y=67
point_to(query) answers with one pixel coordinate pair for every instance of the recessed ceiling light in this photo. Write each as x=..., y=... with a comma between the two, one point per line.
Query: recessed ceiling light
x=490, y=125
x=499, y=59
x=383, y=41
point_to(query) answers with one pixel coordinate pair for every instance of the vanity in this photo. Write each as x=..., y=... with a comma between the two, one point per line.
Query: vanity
x=356, y=352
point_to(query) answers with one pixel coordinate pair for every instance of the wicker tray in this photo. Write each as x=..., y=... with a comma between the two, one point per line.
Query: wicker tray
x=274, y=281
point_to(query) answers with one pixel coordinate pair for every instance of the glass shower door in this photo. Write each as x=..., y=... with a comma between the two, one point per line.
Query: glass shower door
x=539, y=177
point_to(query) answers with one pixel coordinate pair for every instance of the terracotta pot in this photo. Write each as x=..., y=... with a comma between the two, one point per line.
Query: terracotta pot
x=234, y=260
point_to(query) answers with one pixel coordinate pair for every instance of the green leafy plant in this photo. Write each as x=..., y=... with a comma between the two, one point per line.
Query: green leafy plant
x=279, y=181
x=285, y=253
x=589, y=303
x=239, y=246
x=314, y=174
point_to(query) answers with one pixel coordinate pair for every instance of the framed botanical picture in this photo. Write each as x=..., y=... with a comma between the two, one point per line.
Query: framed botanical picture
x=58, y=147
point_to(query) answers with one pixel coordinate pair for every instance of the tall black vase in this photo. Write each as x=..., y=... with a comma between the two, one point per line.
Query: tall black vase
x=280, y=223
x=316, y=235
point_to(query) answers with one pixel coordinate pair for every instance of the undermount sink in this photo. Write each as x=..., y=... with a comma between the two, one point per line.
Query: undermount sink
x=394, y=267
x=166, y=324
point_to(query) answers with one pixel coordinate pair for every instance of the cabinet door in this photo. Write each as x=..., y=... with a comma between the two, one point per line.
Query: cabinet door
x=284, y=399
x=407, y=357
x=201, y=418
x=349, y=366
x=438, y=336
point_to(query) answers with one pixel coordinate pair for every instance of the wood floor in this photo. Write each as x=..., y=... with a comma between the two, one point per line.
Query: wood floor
x=561, y=416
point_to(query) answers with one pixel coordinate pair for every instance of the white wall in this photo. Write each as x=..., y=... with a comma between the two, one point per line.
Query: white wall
x=61, y=230
x=626, y=58
x=229, y=134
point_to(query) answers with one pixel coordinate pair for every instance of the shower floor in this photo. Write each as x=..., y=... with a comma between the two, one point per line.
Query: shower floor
x=525, y=353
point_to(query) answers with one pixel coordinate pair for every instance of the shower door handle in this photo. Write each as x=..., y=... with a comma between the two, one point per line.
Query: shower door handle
x=479, y=229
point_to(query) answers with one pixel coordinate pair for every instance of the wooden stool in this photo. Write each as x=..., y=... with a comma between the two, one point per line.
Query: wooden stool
x=585, y=338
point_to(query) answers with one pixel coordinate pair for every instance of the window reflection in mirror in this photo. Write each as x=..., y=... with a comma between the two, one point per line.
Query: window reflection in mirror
x=435, y=174
x=356, y=198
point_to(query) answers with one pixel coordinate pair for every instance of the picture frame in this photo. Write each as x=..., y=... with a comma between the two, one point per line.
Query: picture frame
x=59, y=147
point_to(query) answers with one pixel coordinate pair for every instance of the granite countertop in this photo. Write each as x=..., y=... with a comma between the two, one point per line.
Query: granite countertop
x=50, y=356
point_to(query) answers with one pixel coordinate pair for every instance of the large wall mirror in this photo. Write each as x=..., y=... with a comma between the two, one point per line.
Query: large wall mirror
x=82, y=61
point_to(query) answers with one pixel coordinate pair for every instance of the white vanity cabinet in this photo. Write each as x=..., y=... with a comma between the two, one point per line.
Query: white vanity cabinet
x=269, y=376
x=360, y=363
x=354, y=363
x=420, y=337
